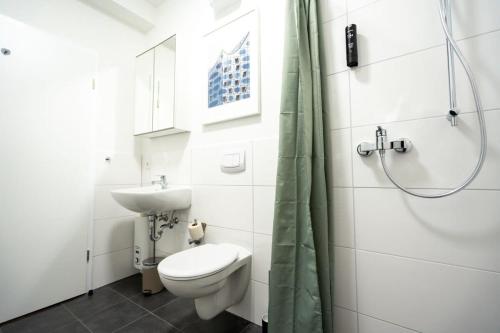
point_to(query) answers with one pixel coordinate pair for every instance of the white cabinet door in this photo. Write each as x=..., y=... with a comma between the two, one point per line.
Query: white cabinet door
x=164, y=76
x=144, y=92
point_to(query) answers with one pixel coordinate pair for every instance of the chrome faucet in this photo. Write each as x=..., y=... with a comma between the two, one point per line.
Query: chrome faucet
x=162, y=182
x=382, y=144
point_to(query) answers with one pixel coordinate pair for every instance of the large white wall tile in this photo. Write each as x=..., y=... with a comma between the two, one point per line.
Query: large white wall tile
x=217, y=235
x=105, y=206
x=265, y=161
x=223, y=206
x=260, y=300
x=109, y=267
x=344, y=279
x=344, y=321
x=206, y=163
x=121, y=169
x=342, y=214
x=175, y=164
x=428, y=297
x=371, y=325
x=261, y=257
x=442, y=156
x=340, y=156
x=474, y=17
x=263, y=209
x=480, y=54
x=334, y=45
x=175, y=239
x=409, y=87
x=390, y=28
x=337, y=100
x=113, y=234
x=356, y=4
x=330, y=9
x=461, y=229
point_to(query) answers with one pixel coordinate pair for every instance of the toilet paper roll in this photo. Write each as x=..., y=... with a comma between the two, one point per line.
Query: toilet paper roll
x=196, y=231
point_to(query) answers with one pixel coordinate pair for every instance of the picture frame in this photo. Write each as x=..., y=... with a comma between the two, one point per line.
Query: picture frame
x=232, y=70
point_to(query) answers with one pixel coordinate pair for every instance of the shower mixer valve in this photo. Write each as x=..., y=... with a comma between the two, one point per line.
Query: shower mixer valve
x=367, y=148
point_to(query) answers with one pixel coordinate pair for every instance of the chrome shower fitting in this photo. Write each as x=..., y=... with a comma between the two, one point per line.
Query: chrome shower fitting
x=381, y=144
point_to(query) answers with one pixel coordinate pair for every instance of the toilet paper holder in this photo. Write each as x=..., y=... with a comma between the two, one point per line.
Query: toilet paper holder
x=198, y=241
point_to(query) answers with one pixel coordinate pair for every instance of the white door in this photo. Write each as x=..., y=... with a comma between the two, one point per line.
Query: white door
x=144, y=68
x=46, y=119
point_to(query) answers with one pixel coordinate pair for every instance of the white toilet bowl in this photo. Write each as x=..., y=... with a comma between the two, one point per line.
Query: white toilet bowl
x=215, y=275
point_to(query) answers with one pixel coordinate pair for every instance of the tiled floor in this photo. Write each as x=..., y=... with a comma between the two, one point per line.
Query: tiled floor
x=121, y=307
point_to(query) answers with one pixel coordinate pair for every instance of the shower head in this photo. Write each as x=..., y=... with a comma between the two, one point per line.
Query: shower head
x=5, y=52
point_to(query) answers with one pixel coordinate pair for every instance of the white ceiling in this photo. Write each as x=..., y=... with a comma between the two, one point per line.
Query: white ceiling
x=156, y=3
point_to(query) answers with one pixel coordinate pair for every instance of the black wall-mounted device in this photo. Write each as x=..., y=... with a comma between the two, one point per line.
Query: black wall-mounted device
x=351, y=45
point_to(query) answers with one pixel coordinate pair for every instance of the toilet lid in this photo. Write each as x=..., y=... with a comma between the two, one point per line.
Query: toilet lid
x=199, y=261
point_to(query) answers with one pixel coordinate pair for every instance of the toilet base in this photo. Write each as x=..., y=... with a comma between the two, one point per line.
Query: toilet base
x=230, y=294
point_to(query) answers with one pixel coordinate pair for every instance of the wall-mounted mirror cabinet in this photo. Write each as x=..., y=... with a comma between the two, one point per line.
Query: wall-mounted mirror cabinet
x=155, y=110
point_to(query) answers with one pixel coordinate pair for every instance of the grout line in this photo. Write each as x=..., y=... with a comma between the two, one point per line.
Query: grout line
x=430, y=261
x=431, y=117
x=110, y=252
x=149, y=311
x=77, y=319
x=381, y=187
x=352, y=184
x=133, y=321
x=415, y=51
x=390, y=322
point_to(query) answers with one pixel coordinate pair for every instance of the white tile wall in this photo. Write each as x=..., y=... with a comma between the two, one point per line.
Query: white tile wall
x=113, y=234
x=409, y=264
x=428, y=297
x=344, y=290
x=344, y=321
x=223, y=206
x=342, y=213
x=112, y=266
x=371, y=325
x=265, y=160
x=261, y=257
x=263, y=209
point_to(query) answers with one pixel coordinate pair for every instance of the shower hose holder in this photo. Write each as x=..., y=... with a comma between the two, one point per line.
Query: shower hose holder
x=367, y=148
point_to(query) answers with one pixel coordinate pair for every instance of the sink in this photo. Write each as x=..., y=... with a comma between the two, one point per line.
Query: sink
x=153, y=199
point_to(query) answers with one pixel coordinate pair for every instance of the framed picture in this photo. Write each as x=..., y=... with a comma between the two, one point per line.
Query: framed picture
x=232, y=70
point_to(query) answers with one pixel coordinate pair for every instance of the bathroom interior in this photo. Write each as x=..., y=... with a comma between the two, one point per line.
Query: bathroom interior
x=247, y=166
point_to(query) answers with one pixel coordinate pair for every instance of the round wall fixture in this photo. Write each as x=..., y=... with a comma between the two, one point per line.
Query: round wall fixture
x=5, y=52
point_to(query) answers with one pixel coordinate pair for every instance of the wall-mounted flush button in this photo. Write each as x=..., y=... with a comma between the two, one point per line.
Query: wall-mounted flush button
x=233, y=161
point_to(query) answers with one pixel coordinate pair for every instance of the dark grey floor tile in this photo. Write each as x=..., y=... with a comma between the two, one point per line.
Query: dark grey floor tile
x=129, y=286
x=114, y=317
x=86, y=306
x=252, y=328
x=153, y=302
x=223, y=323
x=74, y=327
x=45, y=320
x=180, y=312
x=148, y=324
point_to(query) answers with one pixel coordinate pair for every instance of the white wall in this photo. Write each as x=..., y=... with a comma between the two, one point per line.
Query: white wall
x=405, y=264
x=238, y=208
x=116, y=46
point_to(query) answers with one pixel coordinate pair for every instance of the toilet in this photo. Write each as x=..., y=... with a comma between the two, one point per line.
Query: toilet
x=216, y=276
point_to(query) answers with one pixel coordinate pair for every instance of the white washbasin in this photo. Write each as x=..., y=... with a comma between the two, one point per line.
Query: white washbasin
x=153, y=199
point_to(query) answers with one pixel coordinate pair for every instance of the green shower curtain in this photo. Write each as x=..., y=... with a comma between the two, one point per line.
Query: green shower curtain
x=300, y=278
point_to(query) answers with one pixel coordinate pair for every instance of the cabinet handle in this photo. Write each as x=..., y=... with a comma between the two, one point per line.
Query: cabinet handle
x=158, y=96
x=149, y=81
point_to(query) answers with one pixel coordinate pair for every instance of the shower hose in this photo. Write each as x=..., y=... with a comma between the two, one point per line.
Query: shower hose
x=443, y=8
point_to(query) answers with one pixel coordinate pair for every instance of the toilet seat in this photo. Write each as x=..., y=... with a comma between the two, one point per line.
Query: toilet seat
x=198, y=262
